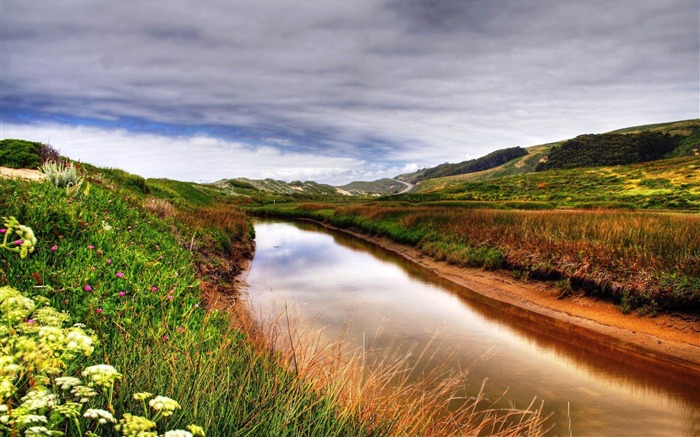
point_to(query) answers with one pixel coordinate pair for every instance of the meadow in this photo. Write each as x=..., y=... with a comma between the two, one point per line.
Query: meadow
x=142, y=274
x=645, y=261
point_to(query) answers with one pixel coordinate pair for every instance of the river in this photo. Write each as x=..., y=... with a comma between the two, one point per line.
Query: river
x=328, y=278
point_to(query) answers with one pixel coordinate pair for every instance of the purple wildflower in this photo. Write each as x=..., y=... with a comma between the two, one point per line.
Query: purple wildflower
x=109, y=261
x=53, y=248
x=122, y=293
x=18, y=242
x=99, y=311
x=87, y=288
x=91, y=247
x=119, y=274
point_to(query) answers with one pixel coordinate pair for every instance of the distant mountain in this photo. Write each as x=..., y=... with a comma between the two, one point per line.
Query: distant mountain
x=246, y=186
x=310, y=188
x=381, y=186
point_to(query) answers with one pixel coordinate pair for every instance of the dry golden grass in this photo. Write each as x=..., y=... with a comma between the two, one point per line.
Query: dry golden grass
x=383, y=389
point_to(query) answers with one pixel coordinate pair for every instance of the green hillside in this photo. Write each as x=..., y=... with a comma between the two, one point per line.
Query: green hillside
x=669, y=184
x=380, y=186
x=492, y=160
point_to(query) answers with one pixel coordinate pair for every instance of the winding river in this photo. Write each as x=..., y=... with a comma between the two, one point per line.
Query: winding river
x=328, y=278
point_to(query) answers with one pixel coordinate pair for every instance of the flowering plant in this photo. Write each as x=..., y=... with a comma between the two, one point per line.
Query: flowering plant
x=24, y=245
x=39, y=395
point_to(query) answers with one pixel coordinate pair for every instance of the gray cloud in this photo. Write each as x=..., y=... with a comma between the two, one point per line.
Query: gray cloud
x=394, y=82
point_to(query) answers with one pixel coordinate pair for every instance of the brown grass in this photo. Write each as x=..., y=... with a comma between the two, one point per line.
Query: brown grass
x=383, y=389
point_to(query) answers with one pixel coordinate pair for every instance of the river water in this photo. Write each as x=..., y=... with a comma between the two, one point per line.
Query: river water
x=326, y=278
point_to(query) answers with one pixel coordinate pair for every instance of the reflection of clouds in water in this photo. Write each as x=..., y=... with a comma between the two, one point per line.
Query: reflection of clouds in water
x=328, y=282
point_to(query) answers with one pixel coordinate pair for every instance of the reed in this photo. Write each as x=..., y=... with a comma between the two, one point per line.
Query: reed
x=394, y=391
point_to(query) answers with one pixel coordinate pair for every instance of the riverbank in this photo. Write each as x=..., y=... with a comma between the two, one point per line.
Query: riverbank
x=670, y=337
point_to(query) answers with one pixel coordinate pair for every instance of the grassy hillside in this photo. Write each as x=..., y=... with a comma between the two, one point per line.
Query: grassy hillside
x=380, y=186
x=492, y=160
x=688, y=145
x=665, y=184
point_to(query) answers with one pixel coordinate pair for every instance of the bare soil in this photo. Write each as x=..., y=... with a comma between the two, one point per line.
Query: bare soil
x=21, y=173
x=673, y=338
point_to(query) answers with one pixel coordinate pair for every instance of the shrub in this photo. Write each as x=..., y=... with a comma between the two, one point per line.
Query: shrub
x=20, y=153
x=160, y=207
x=61, y=175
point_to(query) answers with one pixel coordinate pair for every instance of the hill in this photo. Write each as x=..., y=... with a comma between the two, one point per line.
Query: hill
x=380, y=186
x=492, y=160
x=686, y=132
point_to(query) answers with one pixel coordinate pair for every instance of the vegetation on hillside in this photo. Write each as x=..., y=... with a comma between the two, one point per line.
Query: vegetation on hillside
x=609, y=149
x=664, y=184
x=687, y=133
x=492, y=160
x=380, y=186
x=25, y=154
x=645, y=261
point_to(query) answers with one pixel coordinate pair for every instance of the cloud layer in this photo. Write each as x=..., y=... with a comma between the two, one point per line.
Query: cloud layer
x=349, y=86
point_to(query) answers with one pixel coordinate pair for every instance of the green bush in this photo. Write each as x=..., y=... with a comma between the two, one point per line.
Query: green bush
x=20, y=153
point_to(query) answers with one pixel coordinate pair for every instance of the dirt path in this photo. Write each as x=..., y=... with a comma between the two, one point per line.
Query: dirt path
x=672, y=338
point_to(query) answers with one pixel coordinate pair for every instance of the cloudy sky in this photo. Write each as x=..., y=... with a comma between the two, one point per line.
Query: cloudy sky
x=335, y=91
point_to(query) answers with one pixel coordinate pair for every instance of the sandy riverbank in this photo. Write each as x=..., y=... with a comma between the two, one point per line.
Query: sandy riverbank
x=673, y=338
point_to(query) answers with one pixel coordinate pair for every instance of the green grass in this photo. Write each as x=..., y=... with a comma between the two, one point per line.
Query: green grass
x=157, y=332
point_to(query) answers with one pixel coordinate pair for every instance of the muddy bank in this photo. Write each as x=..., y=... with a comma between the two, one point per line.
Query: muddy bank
x=672, y=338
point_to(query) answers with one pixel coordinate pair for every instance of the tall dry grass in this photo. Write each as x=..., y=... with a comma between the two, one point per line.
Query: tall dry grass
x=394, y=391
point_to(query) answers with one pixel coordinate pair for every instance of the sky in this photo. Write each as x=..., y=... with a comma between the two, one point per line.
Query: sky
x=335, y=91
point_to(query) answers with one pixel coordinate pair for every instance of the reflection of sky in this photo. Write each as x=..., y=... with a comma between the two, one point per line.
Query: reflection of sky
x=326, y=283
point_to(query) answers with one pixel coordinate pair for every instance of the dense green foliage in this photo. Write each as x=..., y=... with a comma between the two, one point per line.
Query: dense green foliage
x=20, y=153
x=609, y=149
x=493, y=159
x=642, y=260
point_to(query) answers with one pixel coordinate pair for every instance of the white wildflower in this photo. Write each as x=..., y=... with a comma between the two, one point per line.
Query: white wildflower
x=38, y=398
x=52, y=337
x=83, y=393
x=37, y=431
x=67, y=382
x=15, y=309
x=164, y=405
x=49, y=316
x=178, y=433
x=79, y=342
x=101, y=416
x=102, y=374
x=31, y=418
x=7, y=389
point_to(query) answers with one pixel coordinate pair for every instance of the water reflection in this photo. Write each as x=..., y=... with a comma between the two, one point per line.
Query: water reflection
x=330, y=276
